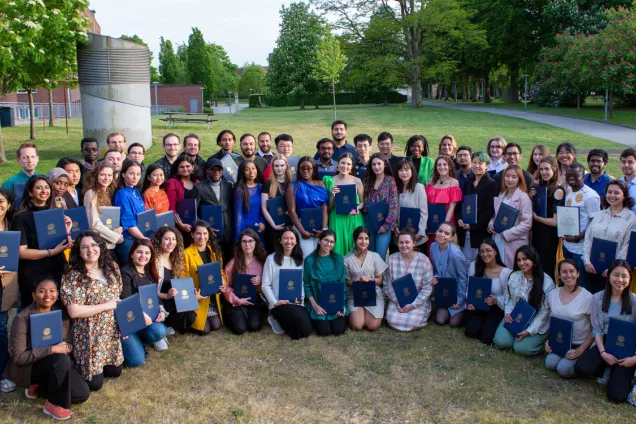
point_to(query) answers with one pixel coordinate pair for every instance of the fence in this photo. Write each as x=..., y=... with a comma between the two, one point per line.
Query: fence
x=159, y=109
x=41, y=110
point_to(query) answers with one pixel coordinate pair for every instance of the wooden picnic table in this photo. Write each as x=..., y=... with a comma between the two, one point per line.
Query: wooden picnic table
x=188, y=117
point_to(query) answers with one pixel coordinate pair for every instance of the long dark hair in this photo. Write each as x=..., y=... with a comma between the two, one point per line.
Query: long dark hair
x=8, y=194
x=105, y=262
x=260, y=254
x=412, y=140
x=176, y=257
x=121, y=182
x=279, y=252
x=347, y=155
x=152, y=168
x=370, y=177
x=451, y=168
x=316, y=253
x=27, y=199
x=626, y=300
x=151, y=267
x=315, y=176
x=241, y=185
x=628, y=202
x=480, y=265
x=174, y=168
x=536, y=295
x=213, y=241
x=410, y=186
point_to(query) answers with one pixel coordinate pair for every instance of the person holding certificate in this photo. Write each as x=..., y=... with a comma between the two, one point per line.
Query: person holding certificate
x=530, y=283
x=615, y=223
x=275, y=186
x=130, y=202
x=483, y=324
x=9, y=290
x=245, y=314
x=247, y=200
x=412, y=194
x=153, y=191
x=615, y=301
x=449, y=262
x=408, y=261
x=180, y=187
x=286, y=316
x=99, y=188
x=49, y=371
x=573, y=303
x=363, y=266
x=443, y=189
x=514, y=194
x=90, y=291
x=325, y=266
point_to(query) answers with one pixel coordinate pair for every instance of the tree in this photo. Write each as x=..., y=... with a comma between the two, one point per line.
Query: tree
x=292, y=63
x=330, y=63
x=170, y=66
x=199, y=63
x=225, y=71
x=576, y=17
x=253, y=78
x=154, y=73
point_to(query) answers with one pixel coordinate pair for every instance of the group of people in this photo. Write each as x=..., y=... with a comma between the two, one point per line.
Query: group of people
x=86, y=277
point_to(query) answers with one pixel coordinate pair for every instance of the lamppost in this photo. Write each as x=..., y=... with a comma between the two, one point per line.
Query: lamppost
x=251, y=91
x=202, y=99
x=155, y=83
x=525, y=95
x=229, y=100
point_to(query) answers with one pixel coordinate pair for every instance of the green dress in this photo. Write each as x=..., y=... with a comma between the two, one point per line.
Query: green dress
x=342, y=225
x=327, y=269
x=425, y=172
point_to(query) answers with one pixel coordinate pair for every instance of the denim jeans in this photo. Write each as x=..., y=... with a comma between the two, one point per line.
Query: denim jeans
x=379, y=243
x=581, y=267
x=133, y=346
x=4, y=338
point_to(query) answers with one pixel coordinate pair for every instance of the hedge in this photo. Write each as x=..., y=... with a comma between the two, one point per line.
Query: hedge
x=327, y=99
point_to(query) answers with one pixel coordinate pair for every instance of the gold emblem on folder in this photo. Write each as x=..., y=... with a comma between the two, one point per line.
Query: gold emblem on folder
x=601, y=256
x=3, y=250
x=504, y=220
x=147, y=225
x=109, y=222
x=407, y=292
x=46, y=332
x=620, y=341
x=445, y=292
x=409, y=222
x=210, y=279
x=332, y=298
x=345, y=199
x=519, y=318
x=130, y=316
x=280, y=211
x=479, y=294
x=568, y=202
x=365, y=295
x=559, y=337
x=75, y=225
x=50, y=227
x=229, y=170
x=243, y=289
x=150, y=303
x=293, y=168
x=290, y=285
x=380, y=216
x=468, y=209
x=435, y=218
x=184, y=294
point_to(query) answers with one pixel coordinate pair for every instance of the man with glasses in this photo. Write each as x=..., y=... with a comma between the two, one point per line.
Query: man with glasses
x=463, y=156
x=171, y=146
x=513, y=156
x=325, y=149
x=597, y=178
x=137, y=153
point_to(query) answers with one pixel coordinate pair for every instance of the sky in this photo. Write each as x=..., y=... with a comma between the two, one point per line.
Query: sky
x=246, y=29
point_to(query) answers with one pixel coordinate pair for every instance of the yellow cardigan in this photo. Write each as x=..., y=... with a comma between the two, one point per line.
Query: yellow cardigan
x=192, y=261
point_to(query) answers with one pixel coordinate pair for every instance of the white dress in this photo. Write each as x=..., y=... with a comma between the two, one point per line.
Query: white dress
x=373, y=266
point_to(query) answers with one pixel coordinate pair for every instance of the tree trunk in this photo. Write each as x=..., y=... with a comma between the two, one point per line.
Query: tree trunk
x=610, y=105
x=333, y=90
x=31, y=113
x=514, y=89
x=475, y=97
x=446, y=92
x=386, y=99
x=578, y=101
x=486, y=92
x=3, y=156
x=50, y=107
x=416, y=86
x=302, y=102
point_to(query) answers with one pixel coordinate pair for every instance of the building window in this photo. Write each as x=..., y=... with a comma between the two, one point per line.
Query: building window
x=21, y=91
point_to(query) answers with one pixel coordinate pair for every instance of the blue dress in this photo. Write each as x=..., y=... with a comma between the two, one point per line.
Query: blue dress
x=248, y=218
x=451, y=263
x=309, y=196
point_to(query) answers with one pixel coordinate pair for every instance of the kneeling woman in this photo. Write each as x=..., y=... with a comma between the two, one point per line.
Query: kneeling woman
x=528, y=282
x=286, y=317
x=324, y=266
x=141, y=271
x=573, y=303
x=90, y=291
x=617, y=302
x=409, y=261
x=249, y=256
x=364, y=265
x=53, y=374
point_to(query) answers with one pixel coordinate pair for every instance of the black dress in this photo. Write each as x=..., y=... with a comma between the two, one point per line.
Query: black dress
x=545, y=238
x=271, y=235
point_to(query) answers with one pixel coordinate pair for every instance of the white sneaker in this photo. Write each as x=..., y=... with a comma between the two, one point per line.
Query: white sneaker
x=276, y=328
x=7, y=386
x=161, y=345
x=171, y=331
x=604, y=380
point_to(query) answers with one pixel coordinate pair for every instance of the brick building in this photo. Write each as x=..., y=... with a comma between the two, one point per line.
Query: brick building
x=174, y=97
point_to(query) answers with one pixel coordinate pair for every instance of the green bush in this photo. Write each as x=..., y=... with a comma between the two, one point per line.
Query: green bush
x=543, y=96
x=208, y=110
x=326, y=99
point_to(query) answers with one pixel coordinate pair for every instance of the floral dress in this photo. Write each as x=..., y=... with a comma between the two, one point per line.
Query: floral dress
x=96, y=339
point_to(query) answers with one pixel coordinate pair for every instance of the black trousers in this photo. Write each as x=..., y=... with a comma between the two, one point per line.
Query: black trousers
x=482, y=325
x=109, y=371
x=180, y=321
x=333, y=327
x=590, y=364
x=294, y=319
x=59, y=381
x=240, y=319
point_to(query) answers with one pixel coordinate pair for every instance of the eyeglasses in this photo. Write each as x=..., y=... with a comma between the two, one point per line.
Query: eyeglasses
x=326, y=241
x=486, y=252
x=250, y=241
x=513, y=154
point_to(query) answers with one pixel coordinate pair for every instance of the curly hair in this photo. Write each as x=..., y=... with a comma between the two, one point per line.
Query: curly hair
x=260, y=254
x=106, y=263
x=176, y=257
x=451, y=168
x=101, y=195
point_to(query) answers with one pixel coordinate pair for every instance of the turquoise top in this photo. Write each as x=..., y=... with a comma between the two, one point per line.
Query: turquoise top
x=20, y=177
x=328, y=269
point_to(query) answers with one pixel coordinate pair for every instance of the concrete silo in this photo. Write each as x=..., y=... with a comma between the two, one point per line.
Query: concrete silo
x=114, y=80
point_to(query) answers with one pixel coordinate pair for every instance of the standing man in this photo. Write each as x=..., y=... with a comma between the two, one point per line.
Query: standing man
x=265, y=146
x=284, y=146
x=90, y=152
x=363, y=147
x=248, y=152
x=628, y=167
x=385, y=146
x=325, y=148
x=73, y=196
x=513, y=156
x=117, y=141
x=191, y=147
x=463, y=157
x=114, y=159
x=137, y=153
x=225, y=140
x=27, y=157
x=597, y=178
x=214, y=190
x=171, y=145
x=339, y=136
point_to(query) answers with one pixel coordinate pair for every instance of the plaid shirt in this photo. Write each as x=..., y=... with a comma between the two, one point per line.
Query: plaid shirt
x=422, y=272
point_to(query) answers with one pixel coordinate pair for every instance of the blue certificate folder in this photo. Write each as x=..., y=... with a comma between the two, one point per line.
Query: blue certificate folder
x=213, y=215
x=149, y=299
x=210, y=278
x=244, y=288
x=377, y=213
x=323, y=174
x=332, y=297
x=478, y=290
x=346, y=199
x=621, y=338
x=186, y=299
x=506, y=218
x=277, y=209
x=165, y=219
x=10, y=250
x=130, y=315
x=311, y=219
x=521, y=316
x=445, y=292
x=602, y=254
x=46, y=329
x=363, y=293
x=80, y=220
x=469, y=209
x=290, y=285
x=292, y=163
x=230, y=168
x=540, y=201
x=49, y=227
x=410, y=218
x=436, y=215
x=405, y=290
x=631, y=250
x=560, y=335
x=109, y=215
x=147, y=222
x=187, y=210
x=18, y=193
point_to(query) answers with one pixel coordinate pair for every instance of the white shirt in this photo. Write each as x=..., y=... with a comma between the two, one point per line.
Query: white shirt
x=616, y=228
x=588, y=202
x=270, y=279
x=498, y=165
x=579, y=311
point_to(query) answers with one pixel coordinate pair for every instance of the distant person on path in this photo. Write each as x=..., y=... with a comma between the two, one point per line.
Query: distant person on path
x=171, y=145
x=597, y=178
x=27, y=157
x=265, y=146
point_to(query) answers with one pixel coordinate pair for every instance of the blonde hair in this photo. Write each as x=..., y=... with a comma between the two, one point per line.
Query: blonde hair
x=453, y=143
x=101, y=195
x=275, y=185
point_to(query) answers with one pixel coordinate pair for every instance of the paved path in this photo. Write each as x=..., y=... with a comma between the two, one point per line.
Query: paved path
x=226, y=109
x=615, y=133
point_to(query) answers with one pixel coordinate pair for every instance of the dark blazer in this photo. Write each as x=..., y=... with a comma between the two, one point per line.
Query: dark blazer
x=130, y=281
x=70, y=201
x=526, y=176
x=207, y=197
x=486, y=192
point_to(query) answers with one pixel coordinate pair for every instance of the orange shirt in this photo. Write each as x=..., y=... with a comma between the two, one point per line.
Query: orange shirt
x=157, y=200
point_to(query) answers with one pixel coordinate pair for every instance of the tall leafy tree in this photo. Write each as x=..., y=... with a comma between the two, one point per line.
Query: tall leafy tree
x=330, y=63
x=154, y=73
x=170, y=65
x=225, y=71
x=253, y=78
x=580, y=16
x=199, y=63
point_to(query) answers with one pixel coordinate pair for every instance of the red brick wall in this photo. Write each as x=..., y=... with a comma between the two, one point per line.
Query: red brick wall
x=43, y=93
x=94, y=26
x=176, y=95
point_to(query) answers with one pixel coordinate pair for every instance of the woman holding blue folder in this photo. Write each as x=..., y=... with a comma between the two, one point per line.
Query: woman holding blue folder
x=9, y=290
x=617, y=302
x=130, y=203
x=443, y=190
x=412, y=194
x=181, y=187
x=274, y=187
x=247, y=201
x=99, y=188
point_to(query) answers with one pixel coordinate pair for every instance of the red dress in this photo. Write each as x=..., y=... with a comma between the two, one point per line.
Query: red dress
x=445, y=196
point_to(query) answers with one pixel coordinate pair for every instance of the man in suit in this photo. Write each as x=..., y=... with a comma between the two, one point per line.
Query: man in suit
x=214, y=190
x=514, y=156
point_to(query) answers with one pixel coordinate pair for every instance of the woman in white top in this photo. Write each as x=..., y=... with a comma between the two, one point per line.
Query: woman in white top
x=573, y=303
x=99, y=189
x=483, y=324
x=363, y=265
x=495, y=150
x=286, y=317
x=412, y=194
